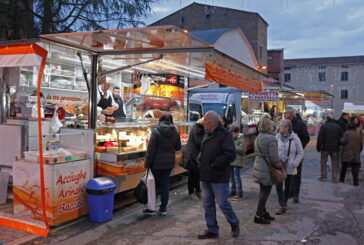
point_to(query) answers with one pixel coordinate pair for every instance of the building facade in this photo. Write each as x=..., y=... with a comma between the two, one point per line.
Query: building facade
x=197, y=17
x=342, y=77
x=276, y=64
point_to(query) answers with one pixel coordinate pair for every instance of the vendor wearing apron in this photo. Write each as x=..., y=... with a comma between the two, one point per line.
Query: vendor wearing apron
x=105, y=101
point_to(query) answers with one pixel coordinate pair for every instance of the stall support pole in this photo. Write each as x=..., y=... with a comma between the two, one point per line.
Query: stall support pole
x=93, y=94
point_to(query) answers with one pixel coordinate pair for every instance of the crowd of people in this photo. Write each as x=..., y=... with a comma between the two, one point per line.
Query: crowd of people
x=214, y=157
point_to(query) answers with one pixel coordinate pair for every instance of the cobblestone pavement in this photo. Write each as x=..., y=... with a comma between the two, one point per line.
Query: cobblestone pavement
x=328, y=213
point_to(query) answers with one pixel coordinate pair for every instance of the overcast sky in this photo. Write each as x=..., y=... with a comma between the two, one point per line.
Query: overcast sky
x=304, y=28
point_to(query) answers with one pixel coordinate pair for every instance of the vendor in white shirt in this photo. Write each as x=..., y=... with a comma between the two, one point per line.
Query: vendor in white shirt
x=106, y=104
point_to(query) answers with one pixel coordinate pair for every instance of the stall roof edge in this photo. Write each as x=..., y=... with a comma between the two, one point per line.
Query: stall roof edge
x=66, y=37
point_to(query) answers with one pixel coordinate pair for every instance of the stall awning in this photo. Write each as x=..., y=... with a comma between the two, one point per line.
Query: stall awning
x=182, y=53
x=315, y=96
x=132, y=40
x=17, y=55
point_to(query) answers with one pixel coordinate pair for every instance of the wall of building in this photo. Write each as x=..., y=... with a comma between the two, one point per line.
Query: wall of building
x=197, y=17
x=275, y=64
x=307, y=78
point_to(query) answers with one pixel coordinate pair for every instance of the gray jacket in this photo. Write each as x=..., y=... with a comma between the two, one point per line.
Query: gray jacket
x=295, y=153
x=266, y=149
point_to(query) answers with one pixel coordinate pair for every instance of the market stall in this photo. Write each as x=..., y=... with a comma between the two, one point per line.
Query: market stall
x=65, y=111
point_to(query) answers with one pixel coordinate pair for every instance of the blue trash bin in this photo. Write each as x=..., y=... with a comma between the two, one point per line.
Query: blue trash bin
x=100, y=195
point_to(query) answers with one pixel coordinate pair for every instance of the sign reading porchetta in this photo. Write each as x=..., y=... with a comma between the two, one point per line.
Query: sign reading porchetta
x=229, y=78
x=294, y=101
x=264, y=96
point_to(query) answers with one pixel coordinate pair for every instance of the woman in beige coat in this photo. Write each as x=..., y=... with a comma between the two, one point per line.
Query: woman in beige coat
x=266, y=154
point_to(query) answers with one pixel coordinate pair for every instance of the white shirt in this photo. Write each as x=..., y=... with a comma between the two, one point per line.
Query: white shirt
x=98, y=98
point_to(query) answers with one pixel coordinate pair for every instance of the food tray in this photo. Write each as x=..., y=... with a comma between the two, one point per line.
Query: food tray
x=33, y=156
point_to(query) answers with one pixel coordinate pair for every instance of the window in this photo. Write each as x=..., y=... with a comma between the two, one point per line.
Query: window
x=287, y=78
x=322, y=76
x=270, y=57
x=195, y=112
x=287, y=68
x=344, y=67
x=344, y=94
x=322, y=67
x=344, y=76
x=231, y=115
x=182, y=20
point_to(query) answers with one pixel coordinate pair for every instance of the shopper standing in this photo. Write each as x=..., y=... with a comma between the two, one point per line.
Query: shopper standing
x=161, y=155
x=343, y=121
x=193, y=149
x=236, y=190
x=217, y=152
x=352, y=146
x=328, y=143
x=300, y=128
x=291, y=154
x=266, y=154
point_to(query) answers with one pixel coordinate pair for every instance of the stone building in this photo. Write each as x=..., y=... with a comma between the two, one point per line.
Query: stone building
x=276, y=64
x=197, y=17
x=342, y=77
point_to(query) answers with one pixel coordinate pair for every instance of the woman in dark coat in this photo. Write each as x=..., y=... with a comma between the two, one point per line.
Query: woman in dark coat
x=161, y=156
x=191, y=153
x=352, y=146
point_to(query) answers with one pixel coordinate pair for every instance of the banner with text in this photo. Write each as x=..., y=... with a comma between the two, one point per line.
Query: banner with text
x=221, y=75
x=264, y=96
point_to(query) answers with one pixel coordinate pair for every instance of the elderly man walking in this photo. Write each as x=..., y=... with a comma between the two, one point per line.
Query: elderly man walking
x=217, y=152
x=299, y=128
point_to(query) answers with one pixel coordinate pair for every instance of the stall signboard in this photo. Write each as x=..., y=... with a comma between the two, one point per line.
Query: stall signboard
x=264, y=96
x=221, y=75
x=294, y=101
x=65, y=190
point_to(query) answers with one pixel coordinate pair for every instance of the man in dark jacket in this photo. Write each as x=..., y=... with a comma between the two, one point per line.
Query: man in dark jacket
x=300, y=128
x=328, y=143
x=343, y=121
x=160, y=157
x=216, y=154
x=190, y=158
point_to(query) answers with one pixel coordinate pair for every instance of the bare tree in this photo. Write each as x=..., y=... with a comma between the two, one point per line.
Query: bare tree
x=55, y=16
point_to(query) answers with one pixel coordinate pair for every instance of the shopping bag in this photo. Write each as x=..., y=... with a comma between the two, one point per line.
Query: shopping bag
x=151, y=191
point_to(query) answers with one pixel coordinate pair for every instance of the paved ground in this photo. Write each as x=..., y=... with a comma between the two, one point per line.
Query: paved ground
x=328, y=213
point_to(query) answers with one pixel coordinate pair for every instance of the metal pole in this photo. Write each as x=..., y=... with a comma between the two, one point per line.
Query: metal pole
x=93, y=94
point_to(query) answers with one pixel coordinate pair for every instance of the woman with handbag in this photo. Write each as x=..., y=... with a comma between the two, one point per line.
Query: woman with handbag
x=266, y=157
x=160, y=158
x=291, y=154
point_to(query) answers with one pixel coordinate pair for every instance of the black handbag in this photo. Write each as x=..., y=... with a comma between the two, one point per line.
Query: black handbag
x=141, y=191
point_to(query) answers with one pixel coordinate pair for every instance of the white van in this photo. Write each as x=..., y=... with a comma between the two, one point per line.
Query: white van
x=224, y=101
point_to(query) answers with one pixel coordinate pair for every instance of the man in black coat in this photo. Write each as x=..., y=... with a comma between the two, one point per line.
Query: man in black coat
x=300, y=128
x=216, y=154
x=328, y=144
x=343, y=121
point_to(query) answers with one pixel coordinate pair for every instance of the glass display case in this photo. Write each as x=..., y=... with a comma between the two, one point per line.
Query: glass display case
x=120, y=148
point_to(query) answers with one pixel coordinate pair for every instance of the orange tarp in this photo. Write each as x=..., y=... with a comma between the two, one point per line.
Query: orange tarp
x=221, y=75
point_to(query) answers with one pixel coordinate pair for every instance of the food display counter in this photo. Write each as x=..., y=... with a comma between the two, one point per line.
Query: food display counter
x=120, y=150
